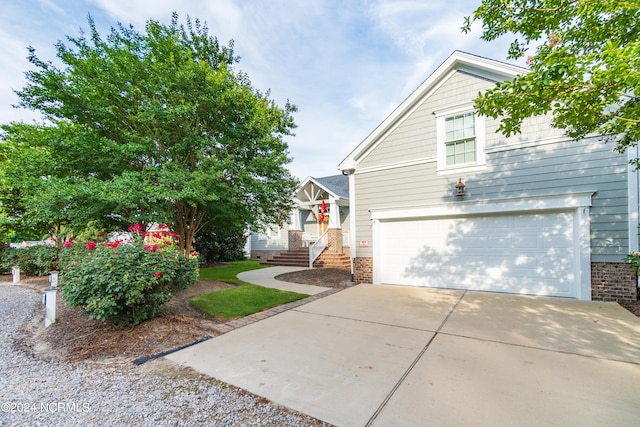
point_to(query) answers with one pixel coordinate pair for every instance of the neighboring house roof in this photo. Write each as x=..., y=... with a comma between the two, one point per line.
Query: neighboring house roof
x=458, y=61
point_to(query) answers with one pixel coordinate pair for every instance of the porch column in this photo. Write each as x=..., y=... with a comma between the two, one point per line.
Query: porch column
x=334, y=213
x=295, y=231
x=334, y=236
x=295, y=240
x=295, y=219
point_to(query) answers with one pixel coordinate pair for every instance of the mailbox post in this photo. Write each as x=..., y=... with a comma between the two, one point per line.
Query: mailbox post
x=15, y=272
x=53, y=278
x=49, y=300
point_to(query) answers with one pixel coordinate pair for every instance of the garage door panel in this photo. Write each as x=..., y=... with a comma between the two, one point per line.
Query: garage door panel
x=525, y=222
x=555, y=241
x=525, y=253
x=526, y=242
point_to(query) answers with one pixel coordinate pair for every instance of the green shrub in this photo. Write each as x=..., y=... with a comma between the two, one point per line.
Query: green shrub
x=33, y=260
x=124, y=283
x=221, y=245
x=6, y=253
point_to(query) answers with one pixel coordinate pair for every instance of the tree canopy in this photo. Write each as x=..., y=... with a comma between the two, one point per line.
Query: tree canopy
x=141, y=127
x=585, y=70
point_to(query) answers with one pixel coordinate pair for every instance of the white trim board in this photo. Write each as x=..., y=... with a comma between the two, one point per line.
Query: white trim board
x=524, y=204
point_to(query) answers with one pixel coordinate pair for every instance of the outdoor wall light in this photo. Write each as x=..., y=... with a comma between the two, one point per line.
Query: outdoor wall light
x=460, y=188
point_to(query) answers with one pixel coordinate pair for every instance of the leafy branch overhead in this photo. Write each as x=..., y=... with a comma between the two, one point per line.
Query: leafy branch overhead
x=585, y=70
x=152, y=126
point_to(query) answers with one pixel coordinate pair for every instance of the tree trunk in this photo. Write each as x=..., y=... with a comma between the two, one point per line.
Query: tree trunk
x=188, y=220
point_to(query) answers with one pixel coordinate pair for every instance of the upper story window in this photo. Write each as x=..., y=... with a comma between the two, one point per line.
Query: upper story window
x=460, y=141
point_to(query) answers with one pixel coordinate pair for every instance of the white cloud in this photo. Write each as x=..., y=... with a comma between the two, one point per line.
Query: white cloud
x=52, y=6
x=347, y=65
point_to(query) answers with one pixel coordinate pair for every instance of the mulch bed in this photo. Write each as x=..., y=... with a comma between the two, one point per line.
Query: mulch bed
x=327, y=277
x=632, y=306
x=75, y=337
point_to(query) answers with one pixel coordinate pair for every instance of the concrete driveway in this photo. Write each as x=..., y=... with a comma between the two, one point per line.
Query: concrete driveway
x=392, y=355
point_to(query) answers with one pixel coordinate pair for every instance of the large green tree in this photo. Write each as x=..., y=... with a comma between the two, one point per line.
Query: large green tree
x=41, y=192
x=151, y=126
x=585, y=70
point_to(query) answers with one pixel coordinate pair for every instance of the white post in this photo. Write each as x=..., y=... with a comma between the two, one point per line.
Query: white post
x=295, y=219
x=15, y=271
x=53, y=278
x=50, y=305
x=334, y=214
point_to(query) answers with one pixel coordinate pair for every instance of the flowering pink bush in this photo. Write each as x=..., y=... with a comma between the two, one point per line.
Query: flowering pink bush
x=136, y=228
x=68, y=243
x=128, y=285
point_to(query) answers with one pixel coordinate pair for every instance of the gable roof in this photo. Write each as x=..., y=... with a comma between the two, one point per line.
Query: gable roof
x=458, y=61
x=336, y=185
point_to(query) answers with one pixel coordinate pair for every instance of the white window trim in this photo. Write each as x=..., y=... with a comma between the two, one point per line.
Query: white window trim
x=272, y=232
x=480, y=163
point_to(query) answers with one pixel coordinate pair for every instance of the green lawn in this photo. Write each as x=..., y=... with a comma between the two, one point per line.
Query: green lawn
x=244, y=299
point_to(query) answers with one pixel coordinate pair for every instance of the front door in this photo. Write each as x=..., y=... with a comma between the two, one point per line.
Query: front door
x=322, y=226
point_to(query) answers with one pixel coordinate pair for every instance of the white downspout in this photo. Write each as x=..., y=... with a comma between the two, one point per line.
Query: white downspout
x=352, y=222
x=633, y=182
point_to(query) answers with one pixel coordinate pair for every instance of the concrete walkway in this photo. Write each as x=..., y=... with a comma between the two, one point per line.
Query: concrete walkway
x=391, y=355
x=265, y=277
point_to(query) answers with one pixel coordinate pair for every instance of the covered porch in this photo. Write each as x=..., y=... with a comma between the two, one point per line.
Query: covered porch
x=318, y=233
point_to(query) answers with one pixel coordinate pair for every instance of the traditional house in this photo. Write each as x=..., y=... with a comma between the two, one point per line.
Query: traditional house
x=318, y=231
x=439, y=198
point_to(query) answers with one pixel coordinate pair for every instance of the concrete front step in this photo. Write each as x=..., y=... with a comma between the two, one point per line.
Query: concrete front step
x=287, y=263
x=333, y=260
x=300, y=258
x=328, y=265
x=295, y=258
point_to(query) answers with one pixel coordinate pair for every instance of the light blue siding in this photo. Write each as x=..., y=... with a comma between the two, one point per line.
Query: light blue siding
x=537, y=163
x=269, y=241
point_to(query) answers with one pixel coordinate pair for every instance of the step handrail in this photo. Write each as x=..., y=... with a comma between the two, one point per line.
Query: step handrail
x=317, y=247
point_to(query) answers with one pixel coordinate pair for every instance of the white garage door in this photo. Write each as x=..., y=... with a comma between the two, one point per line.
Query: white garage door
x=519, y=253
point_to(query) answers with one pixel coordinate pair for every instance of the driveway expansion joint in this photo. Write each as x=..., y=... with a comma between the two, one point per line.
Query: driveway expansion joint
x=413, y=364
x=365, y=321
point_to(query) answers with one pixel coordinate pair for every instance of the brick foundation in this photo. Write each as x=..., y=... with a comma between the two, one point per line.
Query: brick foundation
x=363, y=270
x=264, y=255
x=610, y=281
x=613, y=281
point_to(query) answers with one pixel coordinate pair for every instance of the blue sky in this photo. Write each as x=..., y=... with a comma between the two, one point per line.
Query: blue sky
x=345, y=64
